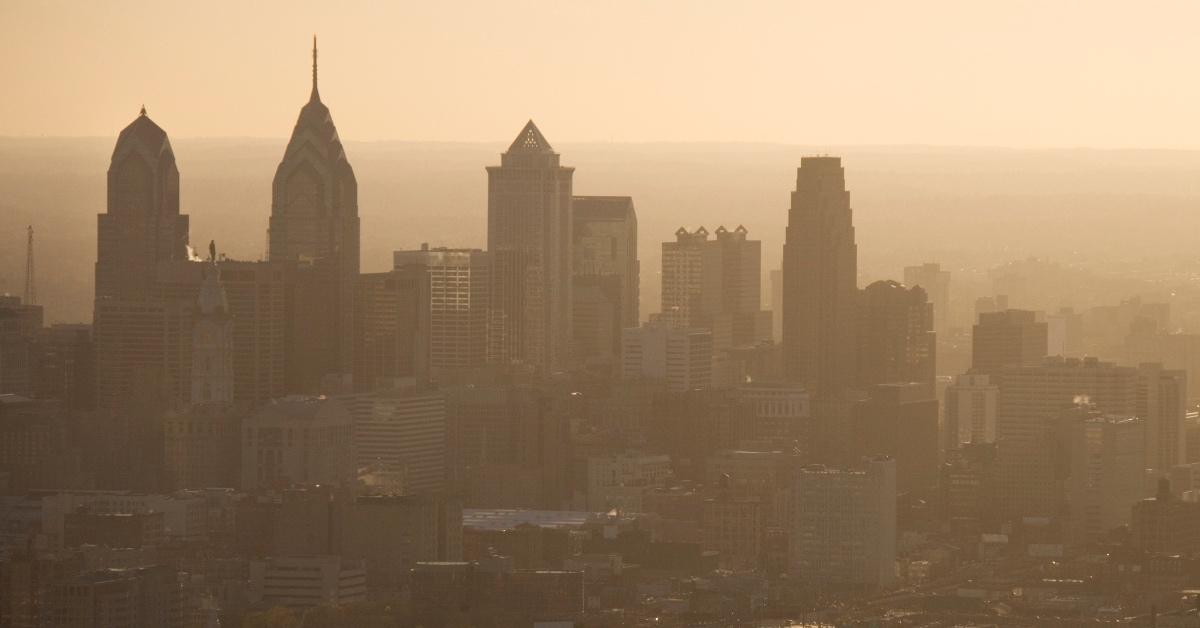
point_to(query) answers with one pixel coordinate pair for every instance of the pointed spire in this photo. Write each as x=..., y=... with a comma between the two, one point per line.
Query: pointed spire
x=143, y=113
x=530, y=140
x=315, y=95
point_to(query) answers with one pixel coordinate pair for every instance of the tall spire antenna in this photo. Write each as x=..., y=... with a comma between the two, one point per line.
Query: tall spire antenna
x=315, y=95
x=30, y=286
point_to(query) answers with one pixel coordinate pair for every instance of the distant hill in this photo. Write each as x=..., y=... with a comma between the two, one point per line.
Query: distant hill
x=970, y=209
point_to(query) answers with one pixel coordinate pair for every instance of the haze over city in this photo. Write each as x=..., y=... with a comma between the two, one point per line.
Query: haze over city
x=576, y=314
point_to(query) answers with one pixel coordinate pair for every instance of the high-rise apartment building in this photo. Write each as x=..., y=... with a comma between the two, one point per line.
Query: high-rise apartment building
x=936, y=283
x=459, y=285
x=715, y=284
x=314, y=217
x=820, y=274
x=844, y=524
x=605, y=275
x=1007, y=338
x=896, y=342
x=529, y=237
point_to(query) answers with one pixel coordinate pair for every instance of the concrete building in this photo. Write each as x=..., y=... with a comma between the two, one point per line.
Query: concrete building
x=298, y=441
x=392, y=327
x=459, y=296
x=1163, y=406
x=141, y=597
x=970, y=409
x=1007, y=338
x=900, y=421
x=820, y=275
x=275, y=314
x=896, y=342
x=617, y=480
x=776, y=303
x=402, y=430
x=1166, y=525
x=606, y=276
x=681, y=357
x=391, y=534
x=781, y=411
x=529, y=237
x=200, y=442
x=20, y=327
x=716, y=285
x=64, y=367
x=1104, y=462
x=844, y=525
x=936, y=283
x=508, y=447
x=1031, y=399
x=314, y=216
x=307, y=581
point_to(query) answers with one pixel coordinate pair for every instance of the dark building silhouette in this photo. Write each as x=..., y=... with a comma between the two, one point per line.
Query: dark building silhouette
x=529, y=237
x=605, y=276
x=392, y=327
x=901, y=420
x=715, y=285
x=314, y=217
x=1007, y=338
x=135, y=332
x=820, y=270
x=936, y=283
x=142, y=225
x=896, y=342
x=459, y=283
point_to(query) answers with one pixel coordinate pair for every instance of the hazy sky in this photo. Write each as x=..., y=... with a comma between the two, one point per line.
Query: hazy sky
x=955, y=72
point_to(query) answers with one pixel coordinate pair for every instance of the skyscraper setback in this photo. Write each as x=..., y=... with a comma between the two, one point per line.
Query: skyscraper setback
x=820, y=270
x=314, y=217
x=529, y=237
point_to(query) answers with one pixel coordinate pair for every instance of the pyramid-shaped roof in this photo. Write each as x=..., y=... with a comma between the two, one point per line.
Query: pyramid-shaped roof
x=530, y=140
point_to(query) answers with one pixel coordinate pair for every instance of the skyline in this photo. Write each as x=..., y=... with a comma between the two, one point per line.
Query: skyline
x=1102, y=79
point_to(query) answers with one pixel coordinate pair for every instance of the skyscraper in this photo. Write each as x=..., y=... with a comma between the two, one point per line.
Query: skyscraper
x=820, y=270
x=895, y=336
x=459, y=284
x=1007, y=338
x=143, y=225
x=529, y=237
x=605, y=276
x=140, y=346
x=843, y=525
x=314, y=216
x=715, y=284
x=391, y=328
x=936, y=283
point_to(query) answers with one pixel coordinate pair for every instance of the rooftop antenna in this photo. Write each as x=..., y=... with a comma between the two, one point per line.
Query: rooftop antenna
x=30, y=286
